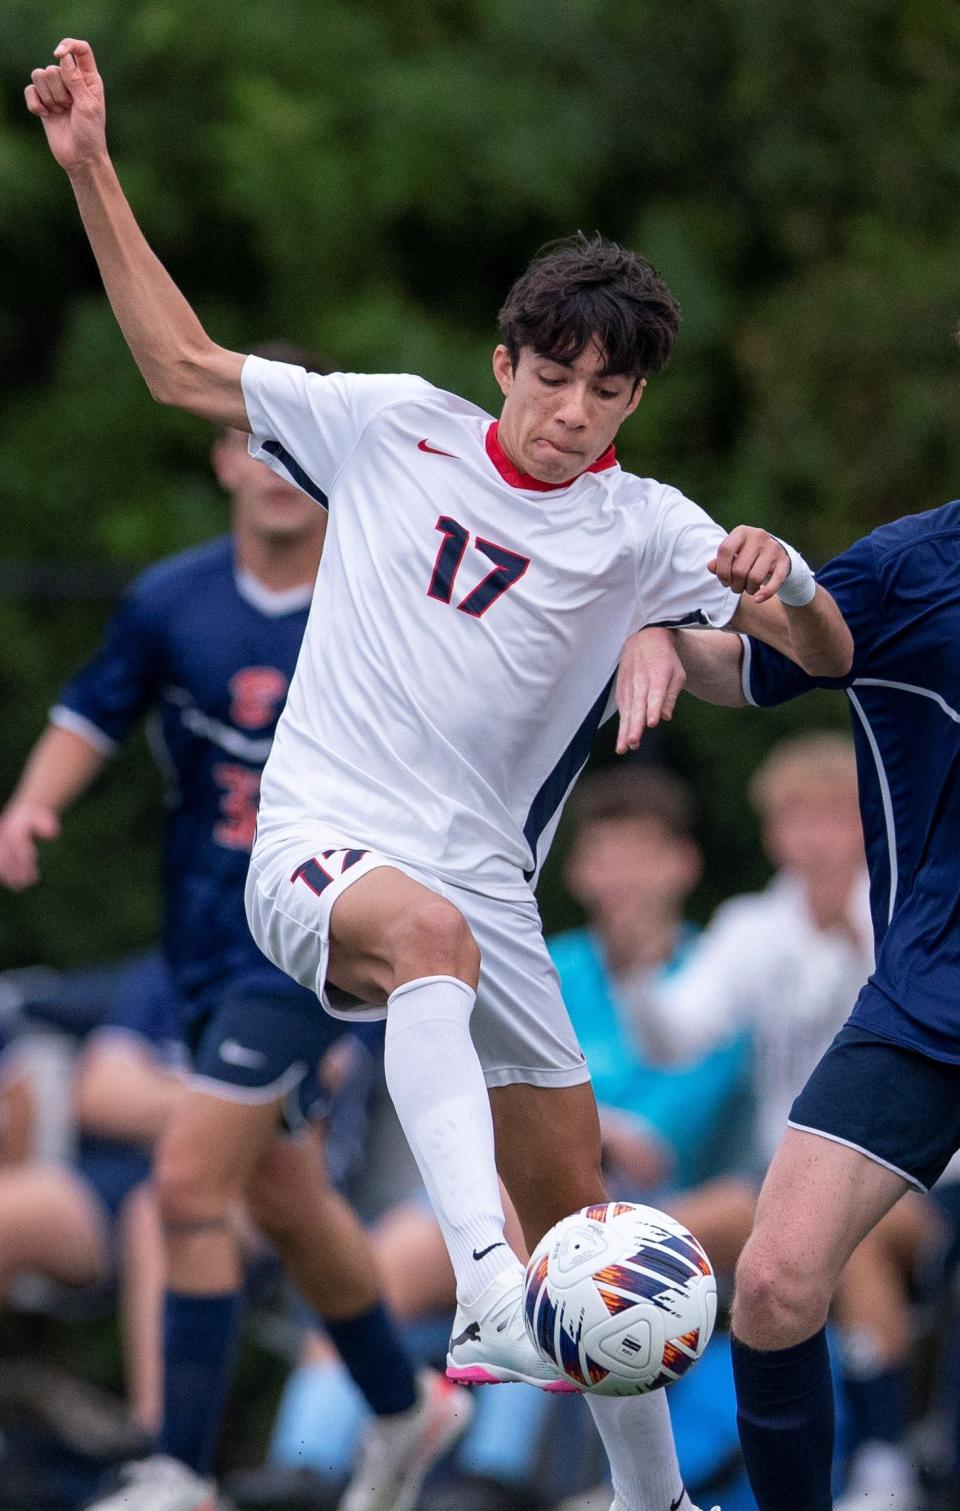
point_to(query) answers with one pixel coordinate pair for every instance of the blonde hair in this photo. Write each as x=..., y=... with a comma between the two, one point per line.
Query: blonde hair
x=821, y=760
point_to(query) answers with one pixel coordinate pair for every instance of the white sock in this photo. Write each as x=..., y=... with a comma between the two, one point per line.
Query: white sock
x=637, y=1435
x=437, y=1086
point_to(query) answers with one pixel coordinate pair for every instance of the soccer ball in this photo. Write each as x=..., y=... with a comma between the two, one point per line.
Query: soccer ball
x=621, y=1298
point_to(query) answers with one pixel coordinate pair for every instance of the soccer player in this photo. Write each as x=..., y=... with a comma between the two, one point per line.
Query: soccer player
x=880, y=1114
x=480, y=580
x=209, y=640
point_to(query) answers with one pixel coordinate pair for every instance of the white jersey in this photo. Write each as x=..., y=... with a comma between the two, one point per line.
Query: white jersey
x=764, y=965
x=466, y=624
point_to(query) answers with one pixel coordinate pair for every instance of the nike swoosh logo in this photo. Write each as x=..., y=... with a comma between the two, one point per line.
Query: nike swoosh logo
x=435, y=450
x=675, y=1505
x=489, y=1249
x=470, y=1334
x=233, y=1053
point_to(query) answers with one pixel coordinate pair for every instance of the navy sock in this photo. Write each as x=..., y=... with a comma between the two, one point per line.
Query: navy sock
x=785, y=1418
x=370, y=1347
x=199, y=1334
x=878, y=1405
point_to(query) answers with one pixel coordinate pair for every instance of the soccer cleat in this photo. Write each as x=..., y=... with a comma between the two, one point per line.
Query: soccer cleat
x=397, y=1452
x=489, y=1343
x=160, y=1483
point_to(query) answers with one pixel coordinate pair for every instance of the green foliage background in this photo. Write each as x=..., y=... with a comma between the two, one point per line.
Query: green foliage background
x=368, y=176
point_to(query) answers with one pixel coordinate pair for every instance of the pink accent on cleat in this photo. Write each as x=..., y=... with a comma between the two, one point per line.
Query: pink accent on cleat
x=475, y=1374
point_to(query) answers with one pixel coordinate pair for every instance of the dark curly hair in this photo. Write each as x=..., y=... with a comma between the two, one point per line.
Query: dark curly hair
x=587, y=288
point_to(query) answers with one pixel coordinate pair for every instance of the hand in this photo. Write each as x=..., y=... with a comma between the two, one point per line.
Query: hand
x=649, y=681
x=636, y=1155
x=68, y=98
x=22, y=825
x=751, y=561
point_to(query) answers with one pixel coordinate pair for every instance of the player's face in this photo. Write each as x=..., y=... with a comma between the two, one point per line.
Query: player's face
x=817, y=835
x=559, y=417
x=617, y=866
x=263, y=503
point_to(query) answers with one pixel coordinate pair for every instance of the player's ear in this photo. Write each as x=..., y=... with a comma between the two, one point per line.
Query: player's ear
x=636, y=396
x=503, y=368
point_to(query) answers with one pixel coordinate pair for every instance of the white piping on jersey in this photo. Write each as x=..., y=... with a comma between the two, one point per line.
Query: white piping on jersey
x=271, y=601
x=909, y=687
x=76, y=724
x=230, y=740
x=745, y=661
x=885, y=794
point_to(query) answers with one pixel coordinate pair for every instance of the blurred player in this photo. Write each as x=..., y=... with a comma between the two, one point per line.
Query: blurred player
x=209, y=640
x=880, y=1114
x=480, y=580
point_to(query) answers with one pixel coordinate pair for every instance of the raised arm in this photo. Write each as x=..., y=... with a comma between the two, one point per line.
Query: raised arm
x=182, y=366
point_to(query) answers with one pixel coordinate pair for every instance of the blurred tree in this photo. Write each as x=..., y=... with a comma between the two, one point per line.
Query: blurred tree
x=368, y=176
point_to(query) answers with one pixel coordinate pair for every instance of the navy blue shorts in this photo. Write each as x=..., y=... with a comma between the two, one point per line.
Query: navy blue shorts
x=898, y=1106
x=112, y=1170
x=257, y=1047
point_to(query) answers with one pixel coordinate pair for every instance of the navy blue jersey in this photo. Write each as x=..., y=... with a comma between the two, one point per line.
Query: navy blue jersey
x=212, y=654
x=899, y=591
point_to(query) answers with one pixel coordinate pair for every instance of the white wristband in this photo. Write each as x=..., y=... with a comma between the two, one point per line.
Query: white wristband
x=799, y=586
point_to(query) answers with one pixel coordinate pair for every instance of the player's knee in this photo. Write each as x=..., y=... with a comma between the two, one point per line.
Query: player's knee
x=433, y=938
x=778, y=1300
x=186, y=1193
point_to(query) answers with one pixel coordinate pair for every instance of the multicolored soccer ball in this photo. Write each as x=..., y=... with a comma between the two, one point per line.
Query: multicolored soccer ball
x=621, y=1298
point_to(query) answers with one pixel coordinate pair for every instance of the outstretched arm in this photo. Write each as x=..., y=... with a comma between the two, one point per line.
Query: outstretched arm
x=61, y=766
x=181, y=364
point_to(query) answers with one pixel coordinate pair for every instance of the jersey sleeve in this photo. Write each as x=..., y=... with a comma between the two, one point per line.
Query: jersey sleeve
x=769, y=677
x=108, y=695
x=674, y=587
x=305, y=425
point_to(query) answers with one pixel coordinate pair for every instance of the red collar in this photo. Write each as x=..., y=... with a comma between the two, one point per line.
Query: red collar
x=518, y=479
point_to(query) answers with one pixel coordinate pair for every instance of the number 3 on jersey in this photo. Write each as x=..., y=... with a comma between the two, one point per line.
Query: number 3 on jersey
x=508, y=568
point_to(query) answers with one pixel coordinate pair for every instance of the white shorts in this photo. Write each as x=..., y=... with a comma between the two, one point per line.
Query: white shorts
x=520, y=1025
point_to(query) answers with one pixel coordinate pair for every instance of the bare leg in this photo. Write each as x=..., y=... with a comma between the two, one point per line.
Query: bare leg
x=142, y=1274
x=204, y=1163
x=324, y=1247
x=50, y=1221
x=873, y=1294
x=819, y=1200
x=548, y=1152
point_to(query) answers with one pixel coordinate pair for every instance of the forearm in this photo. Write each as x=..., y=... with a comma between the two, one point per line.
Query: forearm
x=168, y=343
x=814, y=636
x=60, y=768
x=712, y=660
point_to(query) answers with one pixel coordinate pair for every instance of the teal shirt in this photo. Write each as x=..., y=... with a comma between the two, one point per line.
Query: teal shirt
x=689, y=1104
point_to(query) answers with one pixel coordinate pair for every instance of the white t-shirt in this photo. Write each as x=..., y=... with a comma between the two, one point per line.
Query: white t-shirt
x=764, y=965
x=466, y=624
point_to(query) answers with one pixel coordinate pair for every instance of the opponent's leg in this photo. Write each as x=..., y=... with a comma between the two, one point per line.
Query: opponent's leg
x=329, y=1255
x=820, y=1198
x=141, y=1306
x=204, y=1163
x=548, y=1148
